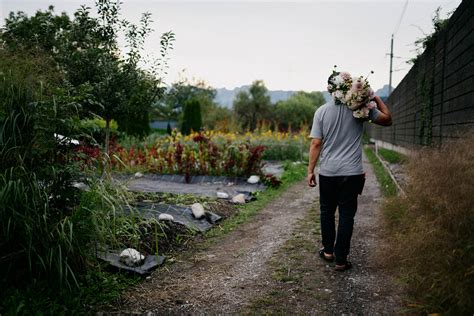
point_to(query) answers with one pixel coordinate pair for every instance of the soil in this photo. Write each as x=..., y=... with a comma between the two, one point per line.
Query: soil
x=270, y=265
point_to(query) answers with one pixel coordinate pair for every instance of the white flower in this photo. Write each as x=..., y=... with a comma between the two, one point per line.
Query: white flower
x=353, y=104
x=337, y=80
x=338, y=94
x=361, y=113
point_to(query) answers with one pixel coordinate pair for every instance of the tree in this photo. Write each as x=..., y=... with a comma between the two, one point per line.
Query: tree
x=172, y=105
x=86, y=50
x=252, y=106
x=298, y=109
x=192, y=120
x=40, y=32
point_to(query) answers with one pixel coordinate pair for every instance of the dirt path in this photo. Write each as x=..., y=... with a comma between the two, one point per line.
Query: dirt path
x=270, y=265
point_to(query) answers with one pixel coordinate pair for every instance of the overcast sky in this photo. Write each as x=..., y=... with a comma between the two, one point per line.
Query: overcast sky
x=291, y=45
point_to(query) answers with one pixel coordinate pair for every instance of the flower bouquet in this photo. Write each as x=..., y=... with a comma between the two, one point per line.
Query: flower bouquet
x=354, y=92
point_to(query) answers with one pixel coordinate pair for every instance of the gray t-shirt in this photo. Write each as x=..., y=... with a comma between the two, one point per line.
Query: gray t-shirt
x=341, y=135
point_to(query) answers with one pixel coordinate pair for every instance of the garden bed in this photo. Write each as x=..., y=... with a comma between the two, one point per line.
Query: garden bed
x=197, y=185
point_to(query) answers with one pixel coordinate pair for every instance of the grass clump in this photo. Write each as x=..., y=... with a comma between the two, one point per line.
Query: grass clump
x=391, y=156
x=387, y=185
x=430, y=230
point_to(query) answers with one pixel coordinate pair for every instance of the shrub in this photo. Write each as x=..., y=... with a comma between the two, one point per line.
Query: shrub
x=431, y=230
x=192, y=120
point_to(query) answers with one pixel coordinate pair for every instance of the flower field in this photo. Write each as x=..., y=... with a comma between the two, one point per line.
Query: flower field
x=203, y=153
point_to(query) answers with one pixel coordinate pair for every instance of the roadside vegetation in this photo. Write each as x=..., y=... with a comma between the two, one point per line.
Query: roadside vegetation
x=387, y=186
x=392, y=156
x=429, y=232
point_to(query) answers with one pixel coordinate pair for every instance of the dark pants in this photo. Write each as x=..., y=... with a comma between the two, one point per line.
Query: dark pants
x=340, y=191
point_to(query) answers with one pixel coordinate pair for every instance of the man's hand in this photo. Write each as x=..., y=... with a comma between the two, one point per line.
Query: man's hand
x=311, y=178
x=314, y=150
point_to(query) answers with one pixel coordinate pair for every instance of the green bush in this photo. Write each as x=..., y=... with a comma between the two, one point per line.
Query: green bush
x=192, y=120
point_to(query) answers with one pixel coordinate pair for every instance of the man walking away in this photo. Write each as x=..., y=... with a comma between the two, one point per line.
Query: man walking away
x=337, y=142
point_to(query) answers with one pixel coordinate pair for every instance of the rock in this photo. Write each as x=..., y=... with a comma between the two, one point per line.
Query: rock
x=253, y=179
x=131, y=257
x=81, y=186
x=165, y=217
x=138, y=175
x=66, y=140
x=222, y=195
x=198, y=210
x=239, y=199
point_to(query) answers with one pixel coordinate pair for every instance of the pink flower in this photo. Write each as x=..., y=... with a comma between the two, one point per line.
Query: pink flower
x=345, y=75
x=371, y=93
x=357, y=85
x=372, y=105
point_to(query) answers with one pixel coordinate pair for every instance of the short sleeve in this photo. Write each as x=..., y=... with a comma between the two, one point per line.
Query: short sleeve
x=374, y=114
x=317, y=128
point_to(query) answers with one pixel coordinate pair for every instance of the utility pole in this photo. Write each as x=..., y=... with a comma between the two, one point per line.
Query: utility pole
x=391, y=70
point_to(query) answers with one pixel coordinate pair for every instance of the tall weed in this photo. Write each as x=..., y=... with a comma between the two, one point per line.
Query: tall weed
x=430, y=232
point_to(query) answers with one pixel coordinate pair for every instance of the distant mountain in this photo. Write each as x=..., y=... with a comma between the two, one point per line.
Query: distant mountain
x=225, y=97
x=382, y=92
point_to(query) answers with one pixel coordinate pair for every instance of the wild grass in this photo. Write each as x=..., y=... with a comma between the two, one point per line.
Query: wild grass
x=391, y=156
x=430, y=231
x=387, y=185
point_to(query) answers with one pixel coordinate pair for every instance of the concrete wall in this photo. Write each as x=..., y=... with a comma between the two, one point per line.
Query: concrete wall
x=435, y=101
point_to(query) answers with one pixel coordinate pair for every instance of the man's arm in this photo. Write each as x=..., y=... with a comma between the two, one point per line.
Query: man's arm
x=384, y=118
x=314, y=151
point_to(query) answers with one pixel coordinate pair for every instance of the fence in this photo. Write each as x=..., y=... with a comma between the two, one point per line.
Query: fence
x=435, y=101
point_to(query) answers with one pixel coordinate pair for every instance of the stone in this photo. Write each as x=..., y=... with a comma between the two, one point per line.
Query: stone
x=239, y=199
x=222, y=195
x=198, y=210
x=138, y=175
x=165, y=217
x=131, y=257
x=81, y=186
x=253, y=179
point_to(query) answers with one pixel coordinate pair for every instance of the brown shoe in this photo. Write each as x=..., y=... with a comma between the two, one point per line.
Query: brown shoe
x=325, y=256
x=343, y=267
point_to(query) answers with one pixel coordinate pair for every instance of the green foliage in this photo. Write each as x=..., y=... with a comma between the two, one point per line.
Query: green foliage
x=36, y=200
x=192, y=120
x=386, y=183
x=95, y=127
x=40, y=32
x=298, y=110
x=171, y=107
x=391, y=156
x=429, y=40
x=429, y=232
x=253, y=106
x=56, y=72
x=85, y=50
x=97, y=287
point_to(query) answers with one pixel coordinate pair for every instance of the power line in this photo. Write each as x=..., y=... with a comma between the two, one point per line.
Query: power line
x=401, y=17
x=391, y=46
